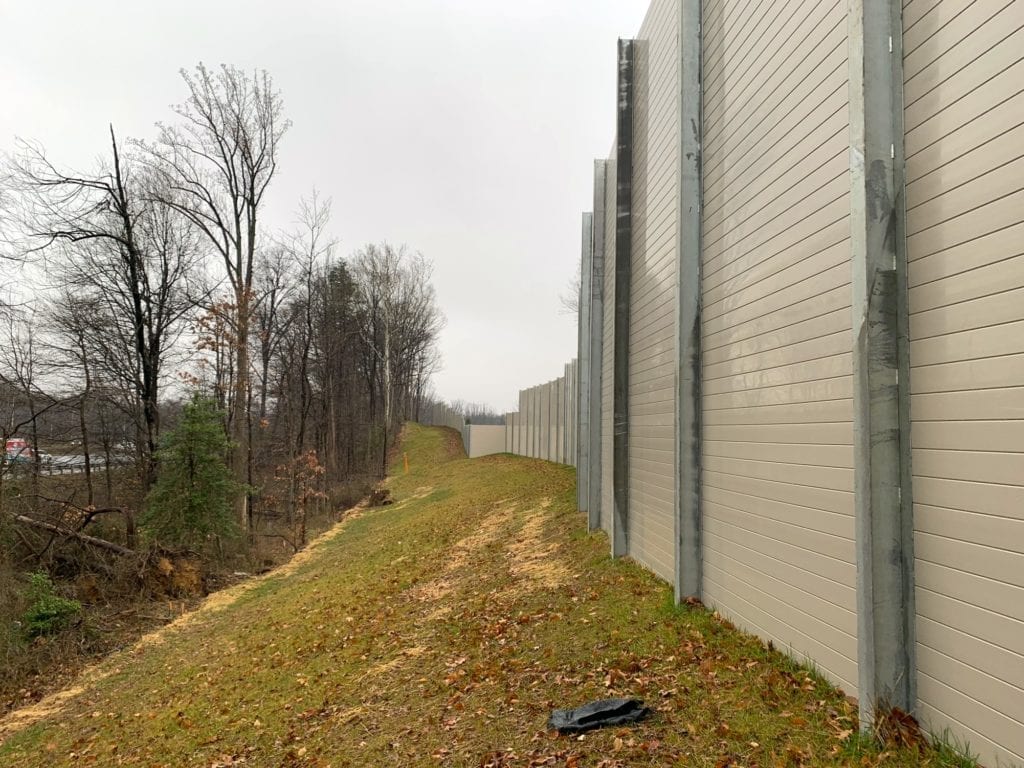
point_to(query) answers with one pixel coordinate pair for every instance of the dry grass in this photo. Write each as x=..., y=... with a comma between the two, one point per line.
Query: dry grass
x=441, y=631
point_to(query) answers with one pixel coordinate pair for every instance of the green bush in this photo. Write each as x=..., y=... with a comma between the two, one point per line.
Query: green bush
x=191, y=499
x=49, y=612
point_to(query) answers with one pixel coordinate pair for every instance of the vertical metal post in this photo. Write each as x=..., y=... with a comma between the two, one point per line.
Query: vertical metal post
x=596, y=362
x=884, y=511
x=688, y=553
x=623, y=266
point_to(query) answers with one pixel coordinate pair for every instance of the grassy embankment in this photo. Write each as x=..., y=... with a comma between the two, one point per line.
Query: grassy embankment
x=441, y=631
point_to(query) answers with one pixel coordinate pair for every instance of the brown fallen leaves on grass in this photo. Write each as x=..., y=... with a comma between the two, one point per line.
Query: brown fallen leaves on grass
x=441, y=631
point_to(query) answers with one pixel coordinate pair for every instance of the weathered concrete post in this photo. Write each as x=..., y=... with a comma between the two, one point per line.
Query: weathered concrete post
x=884, y=512
x=596, y=362
x=623, y=266
x=688, y=554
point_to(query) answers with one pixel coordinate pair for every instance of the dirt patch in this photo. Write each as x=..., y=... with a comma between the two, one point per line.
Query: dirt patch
x=536, y=559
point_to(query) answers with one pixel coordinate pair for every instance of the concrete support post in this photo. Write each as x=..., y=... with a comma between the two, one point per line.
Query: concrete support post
x=596, y=361
x=623, y=268
x=884, y=511
x=688, y=554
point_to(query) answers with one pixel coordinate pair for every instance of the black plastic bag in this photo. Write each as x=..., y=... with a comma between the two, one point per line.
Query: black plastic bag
x=598, y=714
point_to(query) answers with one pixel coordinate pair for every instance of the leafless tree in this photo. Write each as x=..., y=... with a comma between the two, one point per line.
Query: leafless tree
x=399, y=322
x=107, y=237
x=569, y=300
x=217, y=163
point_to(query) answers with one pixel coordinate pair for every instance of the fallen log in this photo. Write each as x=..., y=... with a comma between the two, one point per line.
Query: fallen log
x=90, y=540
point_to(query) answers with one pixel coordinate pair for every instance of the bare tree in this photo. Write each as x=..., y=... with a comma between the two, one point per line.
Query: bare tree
x=124, y=252
x=569, y=300
x=217, y=164
x=399, y=322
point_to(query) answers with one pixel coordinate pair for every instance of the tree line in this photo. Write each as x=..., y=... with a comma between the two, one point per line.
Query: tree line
x=148, y=292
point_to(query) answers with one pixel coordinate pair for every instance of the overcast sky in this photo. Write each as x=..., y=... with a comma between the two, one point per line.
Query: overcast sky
x=463, y=128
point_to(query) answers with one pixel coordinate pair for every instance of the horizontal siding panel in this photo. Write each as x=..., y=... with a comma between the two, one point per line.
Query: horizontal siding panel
x=981, y=498
x=832, y=478
x=801, y=495
x=1000, y=182
x=763, y=614
x=1002, y=149
x=992, y=404
x=988, y=562
x=1000, y=119
x=987, y=280
x=966, y=110
x=991, y=341
x=970, y=69
x=840, y=456
x=810, y=434
x=838, y=388
x=1002, y=436
x=834, y=524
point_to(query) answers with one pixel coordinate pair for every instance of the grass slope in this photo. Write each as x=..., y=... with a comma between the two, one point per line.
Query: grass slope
x=441, y=631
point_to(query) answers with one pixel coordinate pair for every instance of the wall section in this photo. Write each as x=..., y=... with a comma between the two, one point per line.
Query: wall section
x=652, y=338
x=964, y=119
x=777, y=484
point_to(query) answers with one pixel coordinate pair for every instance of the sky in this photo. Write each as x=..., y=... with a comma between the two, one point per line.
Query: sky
x=465, y=129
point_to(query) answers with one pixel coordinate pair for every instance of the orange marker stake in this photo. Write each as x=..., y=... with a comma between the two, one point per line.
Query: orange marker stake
x=406, y=457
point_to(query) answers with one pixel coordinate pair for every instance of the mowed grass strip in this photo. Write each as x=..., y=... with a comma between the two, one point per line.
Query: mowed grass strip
x=442, y=630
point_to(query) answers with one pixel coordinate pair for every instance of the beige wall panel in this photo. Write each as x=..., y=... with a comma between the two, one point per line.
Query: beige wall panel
x=780, y=115
x=964, y=112
x=990, y=216
x=801, y=413
x=922, y=105
x=777, y=388
x=988, y=249
x=838, y=388
x=785, y=307
x=999, y=308
x=811, y=455
x=811, y=434
x=1004, y=180
x=989, y=531
x=981, y=560
x=820, y=254
x=764, y=89
x=968, y=110
x=968, y=138
x=734, y=295
x=1005, y=23
x=822, y=499
x=914, y=10
x=989, y=659
x=652, y=292
x=784, y=168
x=833, y=524
x=995, y=404
x=803, y=330
x=955, y=30
x=980, y=282
x=1004, y=436
x=799, y=635
x=808, y=233
x=802, y=209
x=972, y=374
x=776, y=578
x=966, y=167
x=1005, y=339
x=979, y=648
x=1000, y=501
